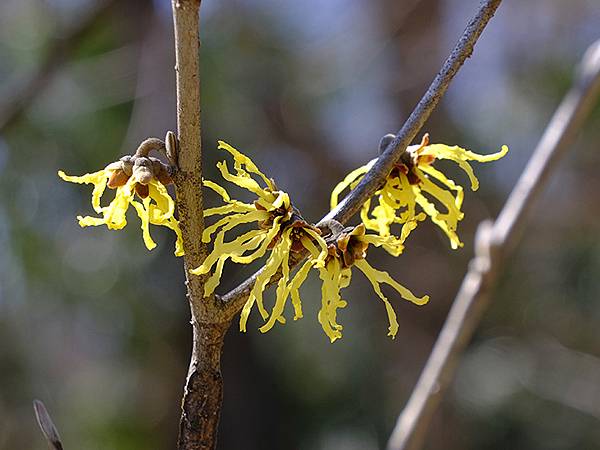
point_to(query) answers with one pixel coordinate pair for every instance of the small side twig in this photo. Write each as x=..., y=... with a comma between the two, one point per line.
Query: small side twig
x=235, y=299
x=46, y=425
x=493, y=242
x=29, y=86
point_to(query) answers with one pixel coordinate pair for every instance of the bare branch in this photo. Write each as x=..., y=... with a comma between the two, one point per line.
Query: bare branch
x=46, y=425
x=29, y=86
x=235, y=299
x=203, y=392
x=493, y=242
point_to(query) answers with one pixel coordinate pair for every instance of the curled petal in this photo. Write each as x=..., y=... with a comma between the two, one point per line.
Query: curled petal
x=114, y=214
x=173, y=224
x=269, y=235
x=461, y=156
x=237, y=207
x=294, y=287
x=224, y=251
x=231, y=221
x=164, y=202
x=434, y=173
x=143, y=211
x=452, y=204
x=377, y=277
x=334, y=278
x=98, y=179
x=446, y=227
x=391, y=244
x=347, y=182
x=318, y=256
x=283, y=289
x=158, y=217
x=227, y=249
x=245, y=182
x=274, y=262
x=218, y=189
x=242, y=160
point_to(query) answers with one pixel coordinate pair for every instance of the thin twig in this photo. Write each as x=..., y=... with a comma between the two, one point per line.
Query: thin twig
x=29, y=86
x=493, y=242
x=235, y=299
x=47, y=425
x=203, y=391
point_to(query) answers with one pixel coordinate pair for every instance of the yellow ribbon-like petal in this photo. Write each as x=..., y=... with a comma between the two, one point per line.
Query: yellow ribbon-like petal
x=233, y=220
x=273, y=263
x=347, y=182
x=333, y=278
x=377, y=277
x=143, y=211
x=98, y=179
x=243, y=160
x=283, y=290
x=460, y=156
x=164, y=202
x=224, y=251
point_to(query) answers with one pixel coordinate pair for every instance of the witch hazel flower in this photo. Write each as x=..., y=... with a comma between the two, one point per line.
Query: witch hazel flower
x=282, y=235
x=279, y=230
x=138, y=180
x=415, y=189
x=348, y=249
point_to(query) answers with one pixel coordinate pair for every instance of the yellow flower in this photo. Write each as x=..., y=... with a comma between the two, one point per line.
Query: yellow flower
x=286, y=237
x=280, y=230
x=349, y=249
x=139, y=175
x=415, y=182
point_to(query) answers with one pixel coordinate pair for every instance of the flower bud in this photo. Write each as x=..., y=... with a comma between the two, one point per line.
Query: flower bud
x=142, y=170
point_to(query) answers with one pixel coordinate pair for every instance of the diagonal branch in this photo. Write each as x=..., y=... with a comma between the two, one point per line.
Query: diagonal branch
x=235, y=299
x=493, y=243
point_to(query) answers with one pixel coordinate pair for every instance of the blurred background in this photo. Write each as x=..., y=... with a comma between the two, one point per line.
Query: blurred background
x=98, y=327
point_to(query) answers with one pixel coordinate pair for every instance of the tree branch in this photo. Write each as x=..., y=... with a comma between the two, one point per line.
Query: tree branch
x=493, y=242
x=47, y=425
x=203, y=392
x=29, y=86
x=236, y=298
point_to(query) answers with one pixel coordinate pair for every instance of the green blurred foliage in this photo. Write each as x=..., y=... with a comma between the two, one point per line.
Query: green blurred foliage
x=98, y=327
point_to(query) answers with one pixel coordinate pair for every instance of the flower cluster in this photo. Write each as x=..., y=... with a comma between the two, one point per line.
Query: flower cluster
x=348, y=249
x=287, y=237
x=137, y=175
x=413, y=191
x=414, y=182
x=280, y=230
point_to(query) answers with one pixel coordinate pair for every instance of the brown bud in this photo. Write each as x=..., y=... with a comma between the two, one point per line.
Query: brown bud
x=297, y=246
x=142, y=170
x=126, y=164
x=348, y=259
x=117, y=178
x=142, y=190
x=342, y=242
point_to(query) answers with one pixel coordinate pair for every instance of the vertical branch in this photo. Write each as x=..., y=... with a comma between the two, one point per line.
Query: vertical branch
x=203, y=391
